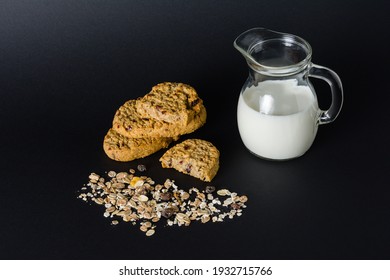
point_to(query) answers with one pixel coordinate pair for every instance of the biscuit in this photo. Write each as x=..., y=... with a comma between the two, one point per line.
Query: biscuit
x=122, y=148
x=195, y=157
x=176, y=103
x=128, y=122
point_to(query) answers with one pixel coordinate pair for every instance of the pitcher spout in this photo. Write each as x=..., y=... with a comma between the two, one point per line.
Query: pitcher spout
x=245, y=42
x=275, y=53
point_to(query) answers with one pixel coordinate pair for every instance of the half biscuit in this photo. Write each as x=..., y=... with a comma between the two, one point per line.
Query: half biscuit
x=122, y=148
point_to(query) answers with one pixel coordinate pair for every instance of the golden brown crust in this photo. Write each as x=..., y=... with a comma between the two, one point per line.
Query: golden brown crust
x=128, y=122
x=143, y=126
x=195, y=157
x=122, y=148
x=176, y=103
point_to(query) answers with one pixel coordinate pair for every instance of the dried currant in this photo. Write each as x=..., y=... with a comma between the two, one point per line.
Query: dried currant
x=210, y=189
x=188, y=168
x=166, y=196
x=235, y=206
x=195, y=102
x=167, y=212
x=141, y=167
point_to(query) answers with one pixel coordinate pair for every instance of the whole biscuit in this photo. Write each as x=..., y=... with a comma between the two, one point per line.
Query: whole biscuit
x=128, y=122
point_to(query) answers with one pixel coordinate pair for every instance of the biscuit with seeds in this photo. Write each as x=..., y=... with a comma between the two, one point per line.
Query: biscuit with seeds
x=175, y=103
x=195, y=157
x=128, y=122
x=122, y=148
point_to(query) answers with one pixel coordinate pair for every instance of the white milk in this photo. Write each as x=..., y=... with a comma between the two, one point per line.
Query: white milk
x=278, y=119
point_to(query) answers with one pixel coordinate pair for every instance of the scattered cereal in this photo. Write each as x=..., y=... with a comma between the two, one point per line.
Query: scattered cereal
x=138, y=200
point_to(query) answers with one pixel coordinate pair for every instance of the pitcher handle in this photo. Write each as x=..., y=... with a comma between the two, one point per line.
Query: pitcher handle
x=320, y=72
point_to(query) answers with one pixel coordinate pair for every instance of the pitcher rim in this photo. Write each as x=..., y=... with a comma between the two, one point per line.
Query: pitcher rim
x=275, y=70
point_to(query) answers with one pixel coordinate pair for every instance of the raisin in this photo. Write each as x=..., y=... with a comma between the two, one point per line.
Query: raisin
x=210, y=189
x=166, y=196
x=141, y=167
x=143, y=192
x=195, y=102
x=235, y=206
x=167, y=212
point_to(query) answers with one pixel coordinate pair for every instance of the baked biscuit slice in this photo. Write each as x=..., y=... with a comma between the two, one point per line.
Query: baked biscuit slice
x=176, y=103
x=122, y=148
x=195, y=157
x=198, y=121
x=128, y=122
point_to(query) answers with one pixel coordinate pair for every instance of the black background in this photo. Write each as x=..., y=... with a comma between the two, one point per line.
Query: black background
x=66, y=66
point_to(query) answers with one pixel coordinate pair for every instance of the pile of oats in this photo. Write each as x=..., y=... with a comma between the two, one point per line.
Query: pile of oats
x=140, y=201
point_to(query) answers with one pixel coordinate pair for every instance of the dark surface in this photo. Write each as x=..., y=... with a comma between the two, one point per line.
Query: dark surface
x=66, y=66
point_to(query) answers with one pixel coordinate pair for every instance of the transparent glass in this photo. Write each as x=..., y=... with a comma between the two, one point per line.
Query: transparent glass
x=278, y=113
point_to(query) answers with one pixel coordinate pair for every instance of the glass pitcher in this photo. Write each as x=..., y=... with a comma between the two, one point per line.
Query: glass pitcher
x=277, y=112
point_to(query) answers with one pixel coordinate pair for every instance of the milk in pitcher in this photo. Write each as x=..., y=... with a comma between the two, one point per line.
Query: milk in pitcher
x=277, y=118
